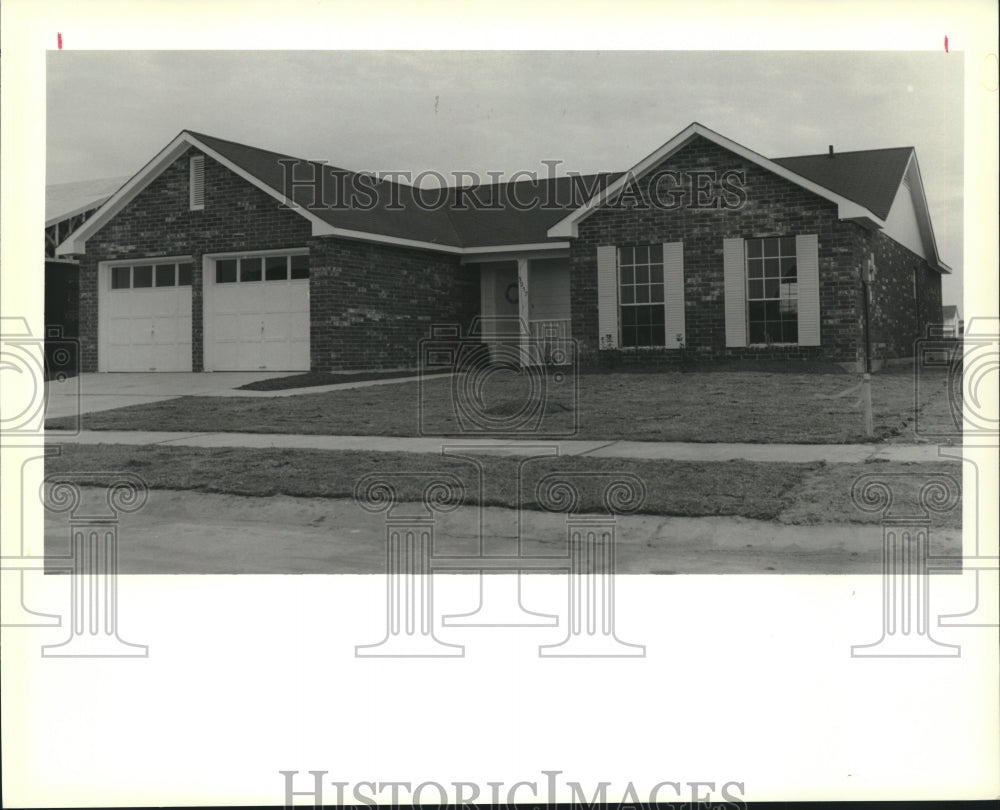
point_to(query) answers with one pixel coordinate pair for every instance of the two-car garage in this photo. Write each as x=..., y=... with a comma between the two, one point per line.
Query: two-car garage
x=256, y=313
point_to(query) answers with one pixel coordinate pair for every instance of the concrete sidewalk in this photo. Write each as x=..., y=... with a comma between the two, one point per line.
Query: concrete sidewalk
x=664, y=451
x=104, y=391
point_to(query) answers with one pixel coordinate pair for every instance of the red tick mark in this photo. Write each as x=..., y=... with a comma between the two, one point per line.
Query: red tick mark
x=59, y=42
x=946, y=44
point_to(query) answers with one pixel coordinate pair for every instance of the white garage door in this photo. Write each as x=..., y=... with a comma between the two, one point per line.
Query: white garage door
x=146, y=317
x=257, y=313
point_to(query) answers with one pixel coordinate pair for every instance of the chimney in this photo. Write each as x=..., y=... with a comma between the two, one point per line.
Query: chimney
x=831, y=150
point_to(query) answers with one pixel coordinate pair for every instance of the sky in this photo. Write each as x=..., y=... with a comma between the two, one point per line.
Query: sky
x=109, y=112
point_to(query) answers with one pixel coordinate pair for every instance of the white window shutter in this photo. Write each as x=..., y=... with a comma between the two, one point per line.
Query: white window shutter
x=673, y=292
x=607, y=296
x=735, y=290
x=807, y=262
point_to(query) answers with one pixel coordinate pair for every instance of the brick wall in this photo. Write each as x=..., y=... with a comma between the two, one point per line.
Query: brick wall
x=372, y=304
x=158, y=222
x=774, y=207
x=899, y=313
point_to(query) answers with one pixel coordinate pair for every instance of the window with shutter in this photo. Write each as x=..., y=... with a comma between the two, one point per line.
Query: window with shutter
x=197, y=183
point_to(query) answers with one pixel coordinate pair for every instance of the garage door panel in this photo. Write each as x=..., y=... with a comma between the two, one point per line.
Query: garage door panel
x=259, y=325
x=146, y=329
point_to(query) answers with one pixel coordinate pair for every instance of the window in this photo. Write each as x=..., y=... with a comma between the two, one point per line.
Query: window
x=225, y=271
x=197, y=182
x=300, y=266
x=249, y=269
x=166, y=275
x=276, y=268
x=640, y=296
x=772, y=294
x=142, y=276
x=121, y=278
x=145, y=276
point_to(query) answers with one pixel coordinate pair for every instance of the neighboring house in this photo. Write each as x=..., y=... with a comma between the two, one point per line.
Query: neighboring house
x=952, y=324
x=67, y=207
x=197, y=264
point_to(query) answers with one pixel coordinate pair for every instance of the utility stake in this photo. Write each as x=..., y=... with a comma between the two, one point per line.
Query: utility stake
x=866, y=398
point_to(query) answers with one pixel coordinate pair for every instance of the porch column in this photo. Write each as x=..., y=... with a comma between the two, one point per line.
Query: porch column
x=523, y=306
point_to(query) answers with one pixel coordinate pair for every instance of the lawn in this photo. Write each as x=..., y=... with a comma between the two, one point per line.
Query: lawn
x=718, y=406
x=791, y=493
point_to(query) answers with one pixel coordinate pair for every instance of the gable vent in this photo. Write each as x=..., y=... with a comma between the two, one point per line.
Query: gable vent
x=197, y=183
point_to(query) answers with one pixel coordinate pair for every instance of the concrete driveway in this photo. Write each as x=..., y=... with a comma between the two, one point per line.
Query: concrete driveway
x=101, y=392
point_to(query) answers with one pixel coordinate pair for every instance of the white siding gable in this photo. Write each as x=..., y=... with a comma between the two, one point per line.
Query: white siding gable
x=902, y=224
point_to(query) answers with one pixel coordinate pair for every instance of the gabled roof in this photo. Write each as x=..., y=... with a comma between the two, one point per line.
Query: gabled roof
x=870, y=177
x=847, y=208
x=526, y=215
x=65, y=200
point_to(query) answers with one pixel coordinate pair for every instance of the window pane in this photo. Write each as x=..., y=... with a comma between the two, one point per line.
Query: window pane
x=656, y=293
x=225, y=271
x=771, y=247
x=250, y=269
x=642, y=294
x=755, y=268
x=771, y=288
x=628, y=295
x=656, y=254
x=790, y=330
x=771, y=310
x=754, y=248
x=789, y=307
x=642, y=254
x=184, y=272
x=120, y=277
x=300, y=267
x=166, y=275
x=628, y=275
x=657, y=335
x=628, y=316
x=756, y=332
x=755, y=289
x=788, y=268
x=656, y=274
x=657, y=315
x=628, y=336
x=756, y=310
x=626, y=256
x=276, y=268
x=788, y=246
x=642, y=275
x=771, y=268
x=787, y=290
x=142, y=276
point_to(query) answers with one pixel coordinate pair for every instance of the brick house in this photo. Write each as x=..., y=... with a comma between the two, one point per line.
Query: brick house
x=220, y=256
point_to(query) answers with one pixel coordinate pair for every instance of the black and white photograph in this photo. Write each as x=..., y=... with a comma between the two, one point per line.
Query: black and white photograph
x=358, y=393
